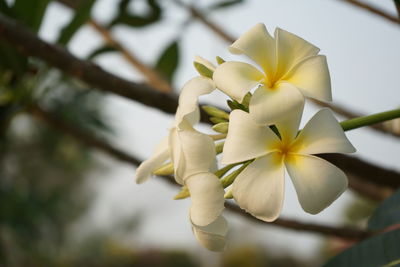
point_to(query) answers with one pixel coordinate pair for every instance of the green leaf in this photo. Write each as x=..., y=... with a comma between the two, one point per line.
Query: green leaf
x=225, y=4
x=82, y=15
x=381, y=250
x=387, y=214
x=30, y=12
x=101, y=50
x=168, y=61
x=124, y=16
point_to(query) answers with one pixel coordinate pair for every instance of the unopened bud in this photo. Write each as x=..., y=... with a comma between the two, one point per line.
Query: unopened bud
x=228, y=195
x=221, y=127
x=216, y=120
x=203, y=70
x=220, y=60
x=166, y=169
x=215, y=112
x=184, y=193
x=219, y=147
x=229, y=179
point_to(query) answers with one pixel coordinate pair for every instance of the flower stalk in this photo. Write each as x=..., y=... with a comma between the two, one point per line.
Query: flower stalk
x=359, y=122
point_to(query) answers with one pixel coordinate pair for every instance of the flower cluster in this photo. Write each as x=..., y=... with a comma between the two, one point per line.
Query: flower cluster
x=262, y=135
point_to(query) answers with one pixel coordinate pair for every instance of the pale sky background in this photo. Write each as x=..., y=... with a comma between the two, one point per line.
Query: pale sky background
x=364, y=62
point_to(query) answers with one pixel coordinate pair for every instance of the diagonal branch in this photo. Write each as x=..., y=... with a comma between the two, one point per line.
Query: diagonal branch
x=31, y=45
x=151, y=75
x=92, y=141
x=374, y=10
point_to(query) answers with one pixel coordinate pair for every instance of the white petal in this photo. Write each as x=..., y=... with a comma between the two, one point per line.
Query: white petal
x=311, y=77
x=147, y=167
x=177, y=155
x=291, y=49
x=207, y=197
x=259, y=189
x=198, y=151
x=322, y=134
x=213, y=235
x=236, y=78
x=282, y=106
x=317, y=182
x=188, y=99
x=258, y=45
x=204, y=62
x=246, y=139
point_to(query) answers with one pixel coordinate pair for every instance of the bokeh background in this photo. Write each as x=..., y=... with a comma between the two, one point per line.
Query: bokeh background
x=65, y=203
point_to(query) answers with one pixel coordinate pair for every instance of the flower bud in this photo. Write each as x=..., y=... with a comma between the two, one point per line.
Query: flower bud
x=203, y=70
x=220, y=60
x=221, y=127
x=215, y=112
x=184, y=193
x=166, y=169
x=228, y=194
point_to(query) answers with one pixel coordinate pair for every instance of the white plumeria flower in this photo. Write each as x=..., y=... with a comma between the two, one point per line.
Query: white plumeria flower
x=194, y=158
x=197, y=162
x=291, y=69
x=187, y=115
x=259, y=189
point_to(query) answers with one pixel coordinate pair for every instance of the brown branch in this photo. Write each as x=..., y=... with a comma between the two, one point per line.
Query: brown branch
x=365, y=170
x=82, y=136
x=342, y=232
x=374, y=10
x=92, y=141
x=31, y=45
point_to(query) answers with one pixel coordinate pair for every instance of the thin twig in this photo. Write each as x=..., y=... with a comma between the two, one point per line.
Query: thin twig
x=202, y=18
x=92, y=141
x=374, y=10
x=153, y=78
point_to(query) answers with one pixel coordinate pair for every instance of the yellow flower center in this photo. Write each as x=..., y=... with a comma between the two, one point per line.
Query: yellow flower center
x=270, y=81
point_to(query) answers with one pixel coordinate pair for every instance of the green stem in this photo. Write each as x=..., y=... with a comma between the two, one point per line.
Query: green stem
x=355, y=123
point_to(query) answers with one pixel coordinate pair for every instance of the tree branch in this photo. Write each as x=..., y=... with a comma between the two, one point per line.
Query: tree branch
x=374, y=10
x=29, y=44
x=367, y=171
x=342, y=232
x=92, y=141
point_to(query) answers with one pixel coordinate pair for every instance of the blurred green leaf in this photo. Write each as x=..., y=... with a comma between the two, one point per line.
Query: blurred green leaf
x=30, y=12
x=82, y=15
x=101, y=50
x=134, y=20
x=225, y=4
x=381, y=250
x=387, y=214
x=168, y=61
